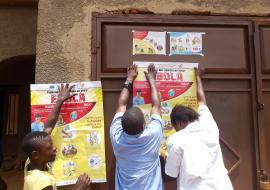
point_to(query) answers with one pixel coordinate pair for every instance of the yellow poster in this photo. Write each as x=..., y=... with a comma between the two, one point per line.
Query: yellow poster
x=79, y=132
x=149, y=42
x=176, y=84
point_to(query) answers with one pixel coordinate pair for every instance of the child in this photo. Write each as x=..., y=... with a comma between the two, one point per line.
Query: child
x=38, y=146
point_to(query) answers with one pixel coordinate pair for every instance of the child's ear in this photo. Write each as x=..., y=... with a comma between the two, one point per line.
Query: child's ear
x=34, y=155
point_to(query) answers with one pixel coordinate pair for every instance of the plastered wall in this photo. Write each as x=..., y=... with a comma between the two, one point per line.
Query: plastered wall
x=64, y=29
x=18, y=31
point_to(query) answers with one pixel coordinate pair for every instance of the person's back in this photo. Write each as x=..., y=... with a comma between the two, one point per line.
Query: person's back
x=137, y=160
x=135, y=146
x=202, y=166
x=194, y=153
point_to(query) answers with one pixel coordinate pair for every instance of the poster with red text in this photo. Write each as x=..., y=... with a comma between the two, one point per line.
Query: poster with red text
x=176, y=84
x=79, y=132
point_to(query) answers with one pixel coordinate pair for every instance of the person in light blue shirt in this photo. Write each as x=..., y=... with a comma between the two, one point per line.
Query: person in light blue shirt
x=37, y=125
x=138, y=99
x=135, y=145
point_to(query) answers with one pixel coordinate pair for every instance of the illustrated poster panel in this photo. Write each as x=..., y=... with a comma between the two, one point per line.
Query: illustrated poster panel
x=176, y=84
x=79, y=132
x=186, y=43
x=147, y=42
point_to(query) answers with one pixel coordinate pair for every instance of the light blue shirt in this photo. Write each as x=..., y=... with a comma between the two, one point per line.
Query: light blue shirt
x=137, y=159
x=138, y=101
x=37, y=126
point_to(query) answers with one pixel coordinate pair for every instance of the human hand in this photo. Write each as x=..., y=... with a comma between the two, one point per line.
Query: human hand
x=65, y=92
x=83, y=182
x=131, y=72
x=199, y=71
x=151, y=73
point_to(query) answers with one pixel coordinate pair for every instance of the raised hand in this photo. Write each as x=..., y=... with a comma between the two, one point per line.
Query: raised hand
x=151, y=72
x=65, y=92
x=83, y=182
x=132, y=72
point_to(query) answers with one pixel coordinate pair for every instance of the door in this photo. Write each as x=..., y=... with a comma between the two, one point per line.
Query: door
x=229, y=81
x=262, y=48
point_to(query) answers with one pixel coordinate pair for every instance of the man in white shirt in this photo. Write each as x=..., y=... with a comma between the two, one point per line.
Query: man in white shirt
x=194, y=154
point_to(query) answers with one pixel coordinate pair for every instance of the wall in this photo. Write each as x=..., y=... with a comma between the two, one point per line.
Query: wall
x=18, y=30
x=64, y=37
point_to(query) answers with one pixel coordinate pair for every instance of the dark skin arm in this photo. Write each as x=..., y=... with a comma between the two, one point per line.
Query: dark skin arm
x=123, y=98
x=64, y=94
x=200, y=92
x=151, y=77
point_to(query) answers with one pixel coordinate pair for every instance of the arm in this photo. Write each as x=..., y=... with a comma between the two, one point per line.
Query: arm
x=83, y=182
x=64, y=94
x=200, y=91
x=123, y=98
x=151, y=76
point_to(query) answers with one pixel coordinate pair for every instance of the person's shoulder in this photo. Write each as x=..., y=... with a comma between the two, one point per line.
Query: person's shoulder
x=175, y=140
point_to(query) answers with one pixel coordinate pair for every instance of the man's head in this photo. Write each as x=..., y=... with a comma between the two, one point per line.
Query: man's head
x=38, y=147
x=139, y=92
x=38, y=118
x=181, y=116
x=133, y=121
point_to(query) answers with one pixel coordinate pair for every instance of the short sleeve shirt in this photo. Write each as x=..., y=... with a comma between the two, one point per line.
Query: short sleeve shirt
x=37, y=179
x=137, y=160
x=195, y=158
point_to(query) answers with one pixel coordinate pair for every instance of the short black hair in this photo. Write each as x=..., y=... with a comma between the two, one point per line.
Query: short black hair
x=31, y=141
x=184, y=114
x=133, y=121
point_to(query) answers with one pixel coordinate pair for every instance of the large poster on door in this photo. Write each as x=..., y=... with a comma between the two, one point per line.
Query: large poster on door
x=176, y=84
x=79, y=132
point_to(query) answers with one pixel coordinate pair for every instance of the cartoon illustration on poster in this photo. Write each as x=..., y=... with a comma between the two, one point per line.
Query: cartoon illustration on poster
x=79, y=132
x=186, y=43
x=176, y=84
x=147, y=42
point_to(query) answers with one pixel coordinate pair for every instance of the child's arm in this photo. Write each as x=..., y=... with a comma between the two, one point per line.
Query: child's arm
x=64, y=94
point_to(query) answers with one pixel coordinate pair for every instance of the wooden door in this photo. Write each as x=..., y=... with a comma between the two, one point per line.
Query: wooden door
x=229, y=80
x=262, y=48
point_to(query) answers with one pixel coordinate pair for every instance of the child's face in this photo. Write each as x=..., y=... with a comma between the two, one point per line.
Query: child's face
x=47, y=151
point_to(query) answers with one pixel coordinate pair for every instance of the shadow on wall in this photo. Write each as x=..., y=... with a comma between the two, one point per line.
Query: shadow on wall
x=18, y=70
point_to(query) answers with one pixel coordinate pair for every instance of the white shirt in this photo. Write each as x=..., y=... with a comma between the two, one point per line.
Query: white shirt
x=195, y=158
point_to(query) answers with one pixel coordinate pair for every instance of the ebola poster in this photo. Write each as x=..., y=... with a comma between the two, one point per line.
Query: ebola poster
x=176, y=84
x=79, y=132
x=186, y=43
x=147, y=42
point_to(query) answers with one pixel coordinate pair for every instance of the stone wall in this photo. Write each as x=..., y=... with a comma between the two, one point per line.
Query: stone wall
x=18, y=30
x=64, y=29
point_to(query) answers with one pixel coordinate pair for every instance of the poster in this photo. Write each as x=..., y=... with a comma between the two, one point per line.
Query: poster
x=147, y=42
x=186, y=43
x=79, y=132
x=176, y=84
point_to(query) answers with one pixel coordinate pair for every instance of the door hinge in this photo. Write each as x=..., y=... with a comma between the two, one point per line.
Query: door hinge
x=260, y=107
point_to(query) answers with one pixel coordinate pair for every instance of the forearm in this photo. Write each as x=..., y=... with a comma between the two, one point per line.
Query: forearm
x=154, y=96
x=200, y=91
x=123, y=100
x=53, y=117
